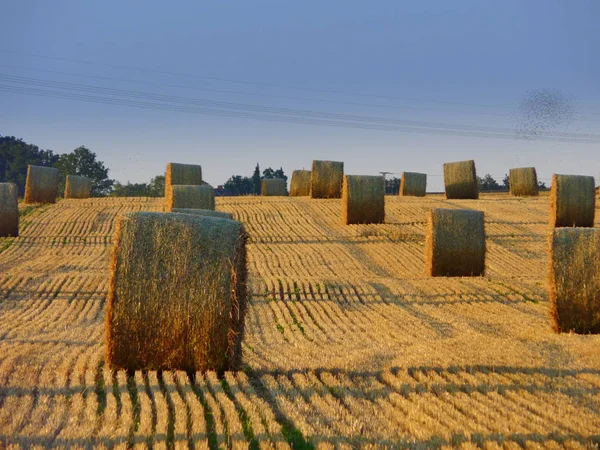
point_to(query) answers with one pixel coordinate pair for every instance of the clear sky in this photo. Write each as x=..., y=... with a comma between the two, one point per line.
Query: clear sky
x=466, y=63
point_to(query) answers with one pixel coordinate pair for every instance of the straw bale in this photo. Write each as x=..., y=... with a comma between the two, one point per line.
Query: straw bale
x=523, y=182
x=204, y=212
x=300, y=184
x=363, y=199
x=78, y=187
x=41, y=185
x=273, y=187
x=413, y=184
x=460, y=180
x=9, y=210
x=326, y=179
x=572, y=201
x=190, y=197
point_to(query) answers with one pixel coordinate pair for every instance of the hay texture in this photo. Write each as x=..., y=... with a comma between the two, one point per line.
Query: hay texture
x=523, y=182
x=190, y=197
x=273, y=187
x=413, y=184
x=300, y=184
x=363, y=199
x=186, y=174
x=460, y=180
x=177, y=294
x=455, y=243
x=574, y=273
x=78, y=187
x=326, y=179
x=204, y=212
x=572, y=201
x=9, y=210
x=41, y=185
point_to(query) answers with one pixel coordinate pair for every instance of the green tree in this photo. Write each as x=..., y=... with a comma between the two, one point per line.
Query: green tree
x=239, y=185
x=16, y=155
x=269, y=173
x=392, y=185
x=156, y=187
x=82, y=161
x=487, y=183
x=256, y=180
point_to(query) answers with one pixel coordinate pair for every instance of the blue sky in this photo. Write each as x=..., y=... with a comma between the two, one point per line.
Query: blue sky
x=466, y=63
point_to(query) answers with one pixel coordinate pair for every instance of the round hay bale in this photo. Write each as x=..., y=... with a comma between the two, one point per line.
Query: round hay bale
x=455, y=243
x=363, y=199
x=204, y=212
x=572, y=201
x=300, y=184
x=523, y=182
x=177, y=294
x=41, y=185
x=460, y=180
x=574, y=276
x=326, y=179
x=273, y=187
x=78, y=187
x=9, y=210
x=186, y=174
x=413, y=184
x=190, y=197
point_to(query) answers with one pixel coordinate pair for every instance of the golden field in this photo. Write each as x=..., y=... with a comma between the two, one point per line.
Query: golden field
x=348, y=343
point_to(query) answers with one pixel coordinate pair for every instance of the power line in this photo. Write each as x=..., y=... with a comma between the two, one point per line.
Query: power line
x=120, y=93
x=263, y=116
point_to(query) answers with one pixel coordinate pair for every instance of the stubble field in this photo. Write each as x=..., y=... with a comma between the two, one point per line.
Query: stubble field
x=348, y=343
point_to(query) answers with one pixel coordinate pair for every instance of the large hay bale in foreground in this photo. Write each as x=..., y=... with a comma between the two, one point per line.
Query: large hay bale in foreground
x=413, y=184
x=273, y=187
x=363, y=199
x=326, y=179
x=78, y=187
x=186, y=174
x=41, y=185
x=574, y=273
x=523, y=182
x=460, y=180
x=204, y=212
x=455, y=243
x=9, y=210
x=177, y=294
x=572, y=201
x=190, y=197
x=300, y=184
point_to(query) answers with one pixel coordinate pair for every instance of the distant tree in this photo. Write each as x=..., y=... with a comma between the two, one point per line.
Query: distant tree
x=16, y=155
x=156, y=187
x=392, y=186
x=269, y=173
x=239, y=185
x=487, y=183
x=506, y=183
x=82, y=161
x=542, y=186
x=256, y=180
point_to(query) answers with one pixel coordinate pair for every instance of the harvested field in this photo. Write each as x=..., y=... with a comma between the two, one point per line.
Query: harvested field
x=348, y=344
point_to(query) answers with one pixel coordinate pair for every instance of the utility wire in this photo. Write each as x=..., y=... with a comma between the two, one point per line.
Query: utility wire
x=120, y=94
x=267, y=117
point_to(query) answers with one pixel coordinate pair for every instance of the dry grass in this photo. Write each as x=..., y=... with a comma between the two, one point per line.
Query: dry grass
x=78, y=187
x=9, y=210
x=572, y=201
x=348, y=344
x=181, y=309
x=273, y=187
x=455, y=243
x=460, y=180
x=300, y=184
x=326, y=179
x=523, y=182
x=363, y=200
x=204, y=212
x=574, y=278
x=190, y=197
x=413, y=184
x=41, y=185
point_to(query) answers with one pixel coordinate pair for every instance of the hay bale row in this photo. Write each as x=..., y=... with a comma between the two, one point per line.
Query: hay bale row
x=273, y=187
x=326, y=179
x=523, y=182
x=460, y=180
x=455, y=243
x=204, y=212
x=572, y=201
x=177, y=293
x=300, y=184
x=41, y=185
x=413, y=184
x=574, y=275
x=190, y=197
x=78, y=187
x=9, y=210
x=363, y=200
